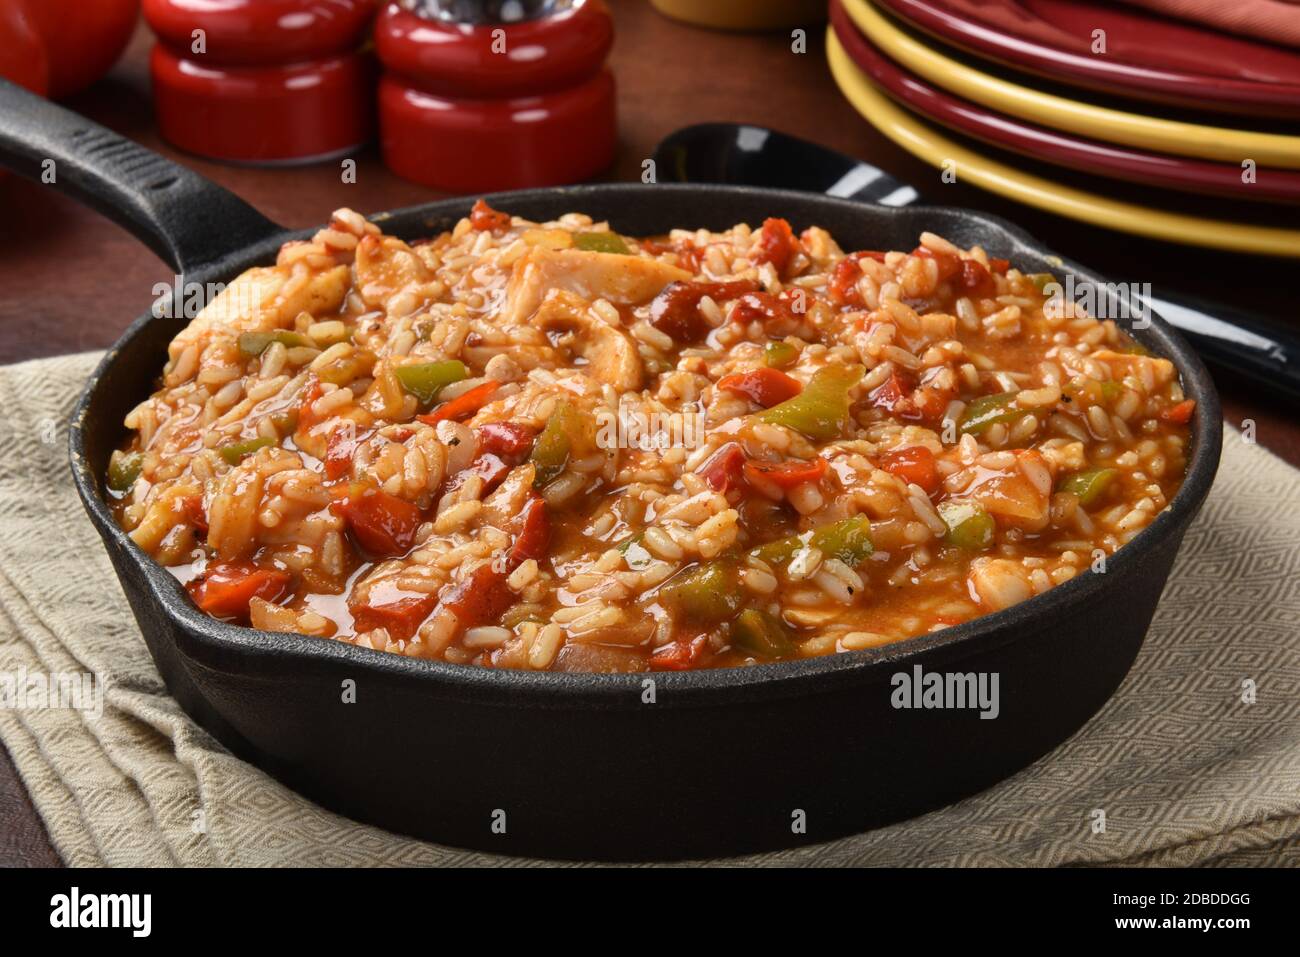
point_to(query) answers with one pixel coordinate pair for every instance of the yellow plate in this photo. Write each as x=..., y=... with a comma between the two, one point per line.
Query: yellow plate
x=932, y=147
x=1114, y=126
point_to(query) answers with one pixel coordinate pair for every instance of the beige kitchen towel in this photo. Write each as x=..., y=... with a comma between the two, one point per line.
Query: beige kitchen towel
x=1196, y=760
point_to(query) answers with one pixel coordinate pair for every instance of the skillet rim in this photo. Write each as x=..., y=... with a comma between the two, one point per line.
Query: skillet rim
x=219, y=646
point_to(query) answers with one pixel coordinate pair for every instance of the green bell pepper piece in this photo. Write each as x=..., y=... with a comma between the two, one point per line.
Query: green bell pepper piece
x=969, y=525
x=123, y=469
x=704, y=594
x=601, y=242
x=234, y=452
x=780, y=355
x=255, y=343
x=848, y=540
x=820, y=410
x=989, y=410
x=1088, y=486
x=761, y=634
x=425, y=380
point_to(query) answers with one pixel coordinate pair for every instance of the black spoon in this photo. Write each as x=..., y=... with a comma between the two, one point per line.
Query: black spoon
x=1226, y=337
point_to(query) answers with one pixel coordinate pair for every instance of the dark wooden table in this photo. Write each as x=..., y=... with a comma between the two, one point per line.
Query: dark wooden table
x=71, y=281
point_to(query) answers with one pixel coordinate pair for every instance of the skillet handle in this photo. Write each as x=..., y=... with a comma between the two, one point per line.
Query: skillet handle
x=189, y=221
x=1265, y=352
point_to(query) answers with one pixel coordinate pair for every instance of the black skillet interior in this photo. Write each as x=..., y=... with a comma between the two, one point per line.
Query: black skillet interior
x=817, y=735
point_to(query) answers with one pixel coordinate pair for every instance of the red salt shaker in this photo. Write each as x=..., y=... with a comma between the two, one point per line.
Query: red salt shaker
x=263, y=81
x=472, y=102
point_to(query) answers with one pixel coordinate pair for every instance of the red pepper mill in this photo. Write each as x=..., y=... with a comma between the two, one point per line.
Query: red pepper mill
x=497, y=94
x=263, y=81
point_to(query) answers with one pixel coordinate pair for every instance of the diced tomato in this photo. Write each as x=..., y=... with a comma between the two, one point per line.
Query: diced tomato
x=484, y=217
x=463, y=406
x=401, y=617
x=776, y=245
x=688, y=255
x=509, y=441
x=194, y=514
x=226, y=588
x=679, y=655
x=307, y=398
x=844, y=277
x=999, y=265
x=891, y=393
x=762, y=306
x=915, y=465
x=534, y=533
x=384, y=525
x=340, y=449
x=765, y=386
x=788, y=474
x=949, y=263
x=480, y=597
x=676, y=310
x=723, y=469
x=488, y=466
x=1181, y=413
x=975, y=280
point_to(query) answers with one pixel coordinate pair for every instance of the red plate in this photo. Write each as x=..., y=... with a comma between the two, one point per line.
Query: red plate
x=1147, y=57
x=1062, y=149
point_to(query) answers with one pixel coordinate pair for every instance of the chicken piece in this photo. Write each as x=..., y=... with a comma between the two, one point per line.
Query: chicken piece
x=385, y=267
x=999, y=583
x=1018, y=496
x=256, y=302
x=623, y=280
x=611, y=355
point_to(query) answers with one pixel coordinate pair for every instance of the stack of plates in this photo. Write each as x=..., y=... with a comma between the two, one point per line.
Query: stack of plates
x=1020, y=76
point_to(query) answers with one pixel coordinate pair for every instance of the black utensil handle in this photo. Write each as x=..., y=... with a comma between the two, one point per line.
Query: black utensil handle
x=187, y=220
x=1266, y=352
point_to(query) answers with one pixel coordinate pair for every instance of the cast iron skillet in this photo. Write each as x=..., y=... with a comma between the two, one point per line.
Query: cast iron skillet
x=596, y=766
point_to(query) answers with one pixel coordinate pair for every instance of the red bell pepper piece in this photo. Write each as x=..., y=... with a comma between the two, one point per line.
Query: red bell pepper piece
x=510, y=442
x=891, y=393
x=915, y=465
x=463, y=406
x=339, y=450
x=483, y=217
x=1181, y=413
x=788, y=474
x=384, y=525
x=225, y=588
x=765, y=386
x=681, y=655
x=949, y=263
x=402, y=617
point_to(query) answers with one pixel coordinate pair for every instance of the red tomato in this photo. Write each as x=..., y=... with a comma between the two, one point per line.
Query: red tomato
x=340, y=449
x=82, y=40
x=484, y=217
x=384, y=525
x=975, y=280
x=487, y=466
x=226, y=588
x=480, y=597
x=463, y=406
x=765, y=386
x=23, y=57
x=509, y=441
x=1181, y=413
x=949, y=263
x=845, y=276
x=999, y=265
x=676, y=310
x=194, y=513
x=788, y=474
x=722, y=469
x=401, y=617
x=915, y=465
x=679, y=655
x=891, y=394
x=776, y=245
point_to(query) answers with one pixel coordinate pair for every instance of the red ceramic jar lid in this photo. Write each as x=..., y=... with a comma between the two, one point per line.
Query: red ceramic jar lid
x=457, y=59
x=296, y=113
x=247, y=32
x=466, y=145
